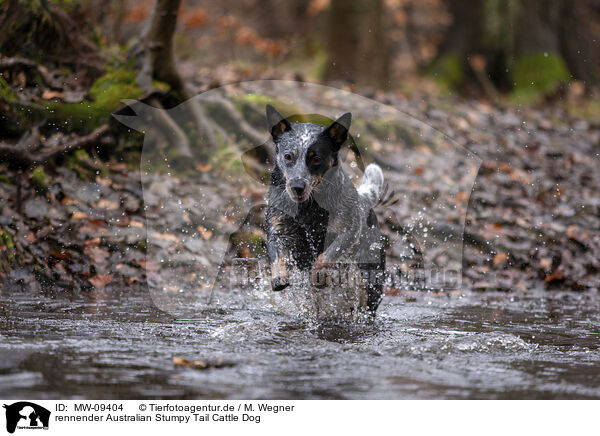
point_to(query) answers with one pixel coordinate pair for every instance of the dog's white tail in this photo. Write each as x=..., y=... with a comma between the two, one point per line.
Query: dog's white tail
x=371, y=185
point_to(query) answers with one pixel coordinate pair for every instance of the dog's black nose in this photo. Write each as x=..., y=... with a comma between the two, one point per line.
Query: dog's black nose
x=298, y=187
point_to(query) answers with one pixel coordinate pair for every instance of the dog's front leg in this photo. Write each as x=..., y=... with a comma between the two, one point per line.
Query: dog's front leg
x=278, y=257
x=280, y=278
x=342, y=246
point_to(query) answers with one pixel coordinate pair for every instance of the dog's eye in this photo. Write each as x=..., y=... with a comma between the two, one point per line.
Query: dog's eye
x=287, y=157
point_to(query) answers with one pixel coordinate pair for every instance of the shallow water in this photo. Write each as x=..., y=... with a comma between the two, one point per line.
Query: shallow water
x=422, y=345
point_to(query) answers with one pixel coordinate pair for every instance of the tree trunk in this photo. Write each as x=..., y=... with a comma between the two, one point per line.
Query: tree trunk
x=373, y=65
x=342, y=41
x=578, y=43
x=159, y=40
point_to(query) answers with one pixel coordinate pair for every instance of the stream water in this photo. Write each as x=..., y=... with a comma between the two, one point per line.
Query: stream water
x=421, y=345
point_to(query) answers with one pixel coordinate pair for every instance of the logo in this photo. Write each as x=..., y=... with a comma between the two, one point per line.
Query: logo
x=26, y=415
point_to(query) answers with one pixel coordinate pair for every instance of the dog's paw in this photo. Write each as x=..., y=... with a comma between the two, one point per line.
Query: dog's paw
x=279, y=276
x=279, y=283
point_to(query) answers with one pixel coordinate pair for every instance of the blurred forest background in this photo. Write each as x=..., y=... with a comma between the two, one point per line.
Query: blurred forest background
x=501, y=50
x=516, y=81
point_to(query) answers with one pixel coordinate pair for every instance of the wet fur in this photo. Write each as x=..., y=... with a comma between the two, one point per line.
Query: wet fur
x=331, y=222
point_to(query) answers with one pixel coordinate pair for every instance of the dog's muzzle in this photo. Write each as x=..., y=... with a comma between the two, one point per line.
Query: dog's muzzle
x=297, y=188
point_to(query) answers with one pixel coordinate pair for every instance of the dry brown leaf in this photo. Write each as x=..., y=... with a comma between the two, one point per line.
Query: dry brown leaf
x=148, y=265
x=205, y=233
x=166, y=236
x=61, y=254
x=99, y=281
x=97, y=255
x=107, y=204
x=202, y=167
x=79, y=215
x=462, y=196
x=94, y=241
x=546, y=263
x=130, y=280
x=47, y=94
x=499, y=258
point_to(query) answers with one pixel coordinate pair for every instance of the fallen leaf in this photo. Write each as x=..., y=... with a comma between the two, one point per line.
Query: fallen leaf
x=107, y=204
x=96, y=223
x=546, y=263
x=99, y=281
x=47, y=94
x=148, y=265
x=499, y=258
x=166, y=236
x=94, y=241
x=61, y=254
x=462, y=196
x=205, y=233
x=130, y=280
x=97, y=255
x=79, y=215
x=202, y=364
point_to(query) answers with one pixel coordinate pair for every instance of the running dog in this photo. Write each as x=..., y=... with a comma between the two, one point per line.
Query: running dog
x=316, y=218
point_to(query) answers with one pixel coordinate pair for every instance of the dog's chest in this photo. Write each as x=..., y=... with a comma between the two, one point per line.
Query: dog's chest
x=310, y=225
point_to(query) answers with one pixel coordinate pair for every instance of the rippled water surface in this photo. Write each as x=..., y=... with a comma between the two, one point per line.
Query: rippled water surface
x=539, y=345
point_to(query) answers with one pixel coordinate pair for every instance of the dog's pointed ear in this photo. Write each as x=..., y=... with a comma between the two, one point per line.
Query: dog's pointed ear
x=277, y=124
x=338, y=130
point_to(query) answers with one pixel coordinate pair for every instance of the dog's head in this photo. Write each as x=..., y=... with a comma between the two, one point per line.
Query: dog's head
x=304, y=152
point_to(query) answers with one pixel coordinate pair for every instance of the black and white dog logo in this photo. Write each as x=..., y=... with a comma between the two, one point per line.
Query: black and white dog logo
x=26, y=415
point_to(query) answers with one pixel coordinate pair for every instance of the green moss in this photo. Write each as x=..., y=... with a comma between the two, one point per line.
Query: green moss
x=537, y=75
x=75, y=163
x=116, y=85
x=4, y=179
x=6, y=240
x=39, y=179
x=6, y=92
x=106, y=92
x=320, y=62
x=448, y=71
